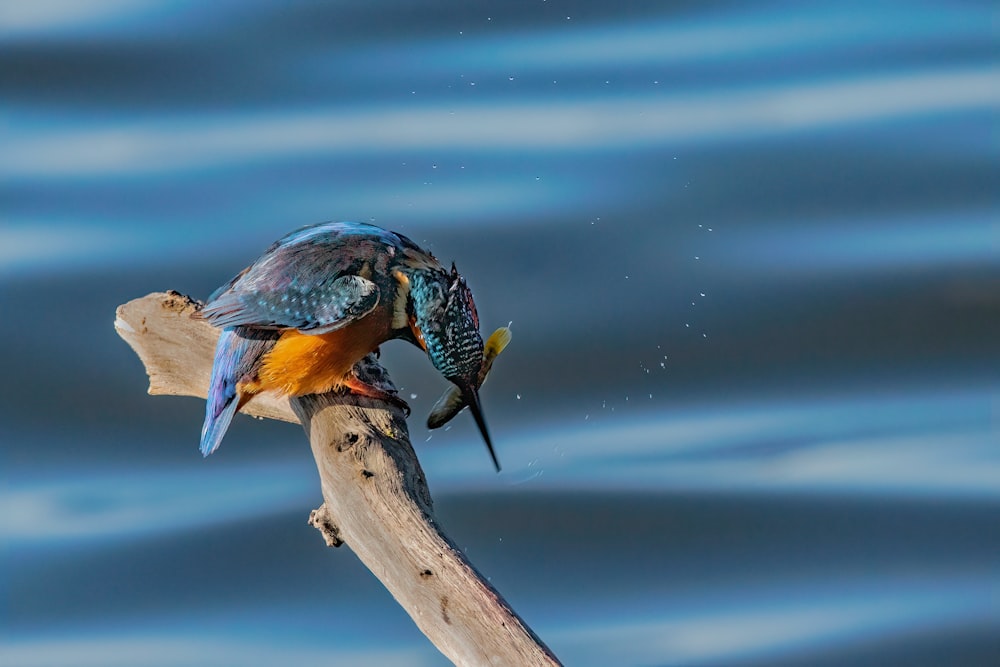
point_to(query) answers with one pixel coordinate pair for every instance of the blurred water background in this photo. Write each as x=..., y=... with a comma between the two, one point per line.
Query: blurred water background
x=750, y=251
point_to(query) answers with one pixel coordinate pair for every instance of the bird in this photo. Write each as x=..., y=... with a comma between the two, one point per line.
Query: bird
x=322, y=298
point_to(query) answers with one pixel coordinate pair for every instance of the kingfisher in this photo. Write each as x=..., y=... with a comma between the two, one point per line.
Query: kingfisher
x=318, y=301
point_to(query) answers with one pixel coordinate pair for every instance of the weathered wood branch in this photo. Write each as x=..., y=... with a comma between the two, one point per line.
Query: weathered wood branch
x=375, y=495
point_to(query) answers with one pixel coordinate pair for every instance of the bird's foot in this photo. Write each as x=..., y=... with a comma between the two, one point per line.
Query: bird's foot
x=361, y=388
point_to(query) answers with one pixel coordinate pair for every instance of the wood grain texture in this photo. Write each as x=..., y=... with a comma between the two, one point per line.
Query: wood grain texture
x=375, y=494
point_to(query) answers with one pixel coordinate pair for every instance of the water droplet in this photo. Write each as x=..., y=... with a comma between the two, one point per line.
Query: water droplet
x=518, y=396
x=413, y=396
x=510, y=78
x=701, y=293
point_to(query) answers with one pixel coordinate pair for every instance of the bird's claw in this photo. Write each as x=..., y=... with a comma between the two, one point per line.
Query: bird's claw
x=396, y=400
x=358, y=386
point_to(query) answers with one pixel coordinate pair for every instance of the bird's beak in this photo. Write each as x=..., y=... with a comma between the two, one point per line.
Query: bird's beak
x=471, y=396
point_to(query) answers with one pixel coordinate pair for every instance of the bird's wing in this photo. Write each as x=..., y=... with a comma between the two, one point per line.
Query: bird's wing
x=311, y=307
x=306, y=281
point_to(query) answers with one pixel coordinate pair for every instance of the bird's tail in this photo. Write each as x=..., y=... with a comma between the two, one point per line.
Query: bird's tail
x=223, y=400
x=218, y=415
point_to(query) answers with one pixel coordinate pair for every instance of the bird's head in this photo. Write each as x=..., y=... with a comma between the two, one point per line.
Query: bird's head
x=445, y=316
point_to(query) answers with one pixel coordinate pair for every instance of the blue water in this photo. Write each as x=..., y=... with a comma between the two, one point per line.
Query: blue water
x=751, y=253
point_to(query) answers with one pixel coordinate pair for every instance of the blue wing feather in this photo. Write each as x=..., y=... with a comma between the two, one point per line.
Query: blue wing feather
x=312, y=307
x=308, y=281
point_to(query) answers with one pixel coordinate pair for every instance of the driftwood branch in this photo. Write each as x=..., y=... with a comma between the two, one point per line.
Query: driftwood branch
x=375, y=495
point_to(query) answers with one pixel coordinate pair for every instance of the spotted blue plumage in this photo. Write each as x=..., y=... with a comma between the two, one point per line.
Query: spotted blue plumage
x=300, y=283
x=446, y=314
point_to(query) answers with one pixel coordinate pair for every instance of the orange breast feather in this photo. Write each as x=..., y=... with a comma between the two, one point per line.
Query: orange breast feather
x=302, y=364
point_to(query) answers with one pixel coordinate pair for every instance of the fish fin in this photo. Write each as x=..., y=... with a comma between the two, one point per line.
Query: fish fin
x=496, y=343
